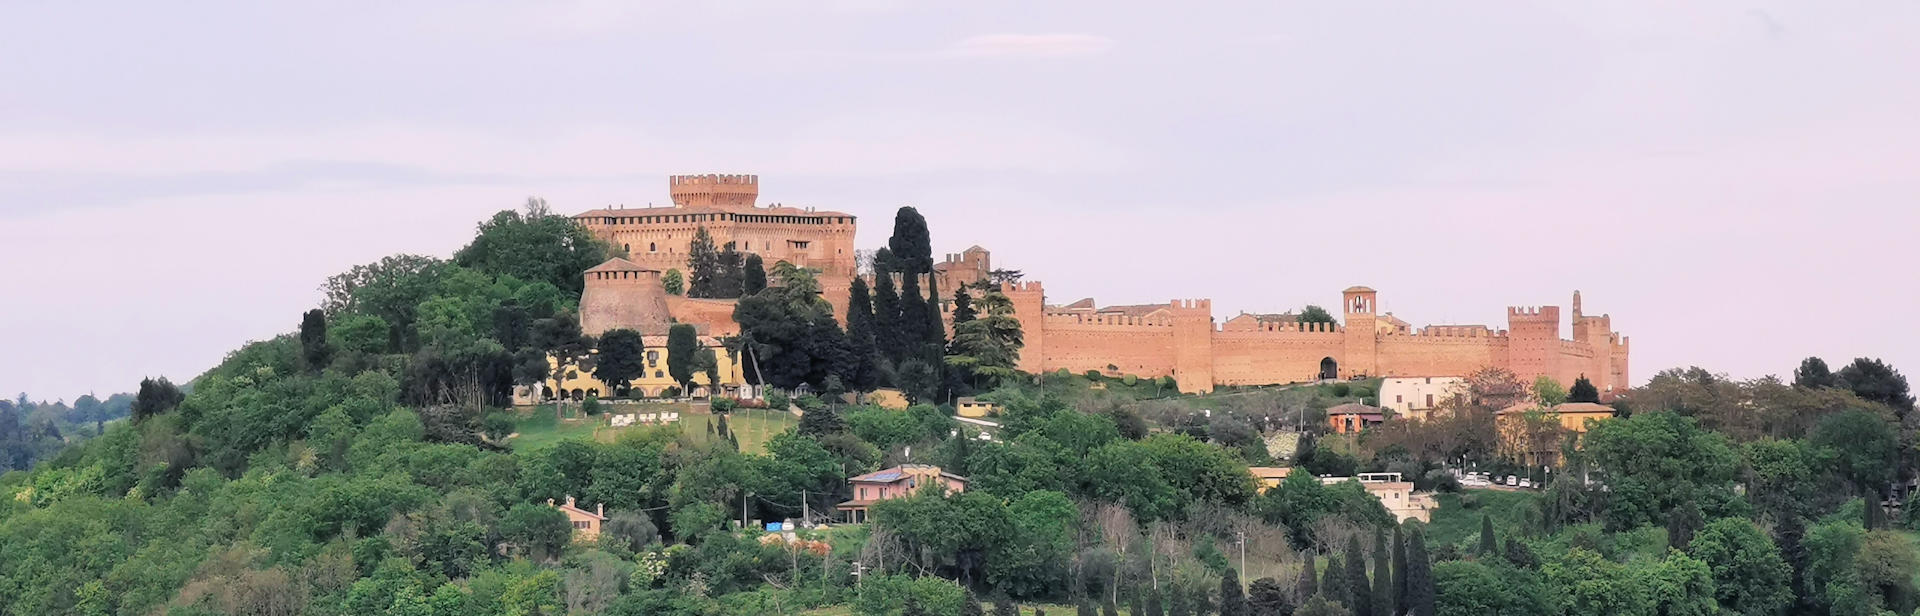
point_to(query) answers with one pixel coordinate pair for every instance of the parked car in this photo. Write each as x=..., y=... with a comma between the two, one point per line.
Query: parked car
x=1513, y=480
x=1526, y=483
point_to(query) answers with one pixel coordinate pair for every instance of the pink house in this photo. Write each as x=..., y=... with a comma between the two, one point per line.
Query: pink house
x=586, y=524
x=896, y=482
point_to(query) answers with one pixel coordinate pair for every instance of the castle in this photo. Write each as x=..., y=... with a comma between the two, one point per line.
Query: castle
x=1180, y=338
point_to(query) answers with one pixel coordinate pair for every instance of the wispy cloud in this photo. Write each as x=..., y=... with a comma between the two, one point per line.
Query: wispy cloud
x=1030, y=46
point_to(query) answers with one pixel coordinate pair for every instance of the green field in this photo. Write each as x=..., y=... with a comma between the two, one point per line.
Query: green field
x=752, y=427
x=1458, y=519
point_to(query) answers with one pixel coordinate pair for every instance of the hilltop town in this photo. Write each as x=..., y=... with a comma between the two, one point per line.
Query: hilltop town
x=724, y=408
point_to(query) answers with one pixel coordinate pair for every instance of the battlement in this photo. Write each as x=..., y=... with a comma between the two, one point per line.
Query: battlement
x=1291, y=327
x=1533, y=313
x=1121, y=320
x=714, y=190
x=1026, y=286
x=1192, y=304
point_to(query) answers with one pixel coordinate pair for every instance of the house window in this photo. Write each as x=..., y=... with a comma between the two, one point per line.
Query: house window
x=1396, y=398
x=863, y=494
x=658, y=374
x=1429, y=400
x=652, y=248
x=582, y=525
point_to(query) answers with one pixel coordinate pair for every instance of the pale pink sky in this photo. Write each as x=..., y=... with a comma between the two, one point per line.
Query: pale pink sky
x=1733, y=181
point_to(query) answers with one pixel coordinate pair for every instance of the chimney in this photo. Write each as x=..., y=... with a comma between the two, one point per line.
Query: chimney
x=549, y=502
x=569, y=500
x=600, y=510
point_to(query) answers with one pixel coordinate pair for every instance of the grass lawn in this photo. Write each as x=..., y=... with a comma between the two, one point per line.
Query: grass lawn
x=1458, y=519
x=540, y=427
x=752, y=427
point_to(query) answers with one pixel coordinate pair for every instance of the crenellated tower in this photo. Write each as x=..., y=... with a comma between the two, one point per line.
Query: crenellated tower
x=1360, y=305
x=729, y=191
x=1533, y=342
x=1029, y=308
x=1192, y=344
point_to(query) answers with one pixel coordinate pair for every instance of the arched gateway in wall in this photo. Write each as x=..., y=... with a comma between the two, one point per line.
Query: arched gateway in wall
x=1329, y=369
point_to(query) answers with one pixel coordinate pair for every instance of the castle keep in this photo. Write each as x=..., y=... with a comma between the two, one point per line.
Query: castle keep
x=1180, y=338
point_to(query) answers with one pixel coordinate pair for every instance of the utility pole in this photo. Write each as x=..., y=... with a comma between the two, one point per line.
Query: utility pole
x=804, y=515
x=1243, y=554
x=743, y=508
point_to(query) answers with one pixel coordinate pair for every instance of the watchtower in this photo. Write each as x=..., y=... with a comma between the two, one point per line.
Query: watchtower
x=714, y=190
x=1361, y=312
x=1192, y=344
x=621, y=294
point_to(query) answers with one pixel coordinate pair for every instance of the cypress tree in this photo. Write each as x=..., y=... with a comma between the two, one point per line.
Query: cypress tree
x=911, y=244
x=753, y=276
x=1265, y=597
x=886, y=308
x=1487, y=545
x=1382, y=576
x=962, y=306
x=1357, y=585
x=913, y=315
x=1232, y=602
x=1420, y=591
x=1520, y=555
x=1308, y=577
x=1176, y=602
x=703, y=264
x=1399, y=572
x=1333, y=583
x=860, y=338
x=1201, y=603
x=1788, y=534
x=314, y=351
x=936, y=328
x=1134, y=607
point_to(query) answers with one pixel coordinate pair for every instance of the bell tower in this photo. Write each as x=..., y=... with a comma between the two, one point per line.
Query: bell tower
x=1360, y=307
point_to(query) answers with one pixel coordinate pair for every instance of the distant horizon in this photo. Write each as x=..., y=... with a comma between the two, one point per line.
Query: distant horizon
x=1730, y=182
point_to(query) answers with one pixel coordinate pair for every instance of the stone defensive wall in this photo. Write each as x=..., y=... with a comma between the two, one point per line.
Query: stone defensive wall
x=1141, y=346
x=1275, y=352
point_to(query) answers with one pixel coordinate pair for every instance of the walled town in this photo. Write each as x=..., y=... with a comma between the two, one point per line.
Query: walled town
x=723, y=408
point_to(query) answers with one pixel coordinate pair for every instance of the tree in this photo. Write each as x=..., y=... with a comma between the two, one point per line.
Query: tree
x=1315, y=314
x=1155, y=607
x=790, y=332
x=314, y=351
x=910, y=243
x=1005, y=607
x=1420, y=581
x=1683, y=521
x=156, y=396
x=730, y=280
x=1358, y=587
x=1548, y=391
x=703, y=264
x=560, y=337
x=1400, y=570
x=1749, y=576
x=1860, y=446
x=865, y=357
x=1232, y=602
x=1265, y=597
x=539, y=530
x=753, y=275
x=534, y=244
x=988, y=346
x=1307, y=585
x=622, y=358
x=819, y=422
x=1319, y=606
x=1383, y=595
x=683, y=347
x=1652, y=458
x=1487, y=542
x=1334, y=581
x=631, y=529
x=1583, y=391
x=887, y=334
x=673, y=282
x=1873, y=380
x=1813, y=374
x=962, y=306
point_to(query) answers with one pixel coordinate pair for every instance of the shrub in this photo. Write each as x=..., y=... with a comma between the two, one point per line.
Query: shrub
x=591, y=405
x=1129, y=380
x=724, y=405
x=1341, y=390
x=672, y=391
x=1095, y=376
x=777, y=399
x=809, y=403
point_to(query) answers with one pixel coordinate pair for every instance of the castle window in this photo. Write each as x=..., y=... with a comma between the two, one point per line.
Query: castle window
x=651, y=247
x=658, y=374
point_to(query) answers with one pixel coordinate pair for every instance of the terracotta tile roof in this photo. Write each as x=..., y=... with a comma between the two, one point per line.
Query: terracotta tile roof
x=1354, y=408
x=1132, y=310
